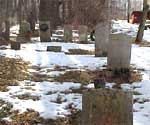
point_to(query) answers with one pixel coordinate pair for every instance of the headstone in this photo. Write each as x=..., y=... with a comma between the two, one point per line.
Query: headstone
x=54, y=48
x=45, y=31
x=15, y=45
x=24, y=33
x=99, y=83
x=119, y=52
x=102, y=39
x=83, y=32
x=107, y=107
x=67, y=33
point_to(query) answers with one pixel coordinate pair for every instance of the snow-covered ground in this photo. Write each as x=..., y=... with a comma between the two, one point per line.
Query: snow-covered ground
x=47, y=106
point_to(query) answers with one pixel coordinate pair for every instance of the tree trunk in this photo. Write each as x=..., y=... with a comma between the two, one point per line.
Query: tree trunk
x=140, y=33
x=19, y=11
x=44, y=17
x=7, y=21
x=0, y=20
x=33, y=22
x=128, y=12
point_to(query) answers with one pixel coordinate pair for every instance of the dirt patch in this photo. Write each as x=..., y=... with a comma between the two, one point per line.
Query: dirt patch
x=79, y=52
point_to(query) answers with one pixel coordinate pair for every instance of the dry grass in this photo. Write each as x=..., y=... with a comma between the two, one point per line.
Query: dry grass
x=27, y=96
x=37, y=77
x=74, y=76
x=86, y=77
x=5, y=109
x=144, y=43
x=30, y=117
x=80, y=52
x=12, y=71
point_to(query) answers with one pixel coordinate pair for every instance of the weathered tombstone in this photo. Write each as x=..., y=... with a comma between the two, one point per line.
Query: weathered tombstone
x=99, y=83
x=15, y=45
x=119, y=52
x=45, y=9
x=67, y=33
x=54, y=48
x=24, y=33
x=107, y=107
x=45, y=31
x=102, y=39
x=83, y=32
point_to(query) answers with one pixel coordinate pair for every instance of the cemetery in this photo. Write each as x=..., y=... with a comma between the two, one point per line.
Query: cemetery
x=74, y=62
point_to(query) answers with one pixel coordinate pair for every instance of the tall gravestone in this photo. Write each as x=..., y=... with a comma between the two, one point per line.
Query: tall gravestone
x=102, y=39
x=119, y=51
x=83, y=33
x=107, y=107
x=67, y=33
x=102, y=29
x=24, y=32
x=45, y=31
x=44, y=17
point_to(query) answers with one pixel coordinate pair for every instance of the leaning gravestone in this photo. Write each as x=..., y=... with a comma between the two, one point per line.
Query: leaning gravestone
x=119, y=51
x=83, y=32
x=45, y=31
x=67, y=33
x=107, y=107
x=24, y=33
x=101, y=39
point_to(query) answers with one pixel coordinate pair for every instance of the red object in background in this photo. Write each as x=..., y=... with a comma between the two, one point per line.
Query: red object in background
x=136, y=16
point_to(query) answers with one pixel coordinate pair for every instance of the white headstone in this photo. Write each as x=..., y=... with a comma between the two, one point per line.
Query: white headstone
x=102, y=38
x=119, y=51
x=83, y=32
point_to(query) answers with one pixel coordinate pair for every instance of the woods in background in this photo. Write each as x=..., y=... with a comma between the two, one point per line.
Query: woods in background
x=75, y=12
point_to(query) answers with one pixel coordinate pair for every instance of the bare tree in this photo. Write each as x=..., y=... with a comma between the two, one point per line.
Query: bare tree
x=7, y=21
x=128, y=10
x=140, y=33
x=91, y=12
